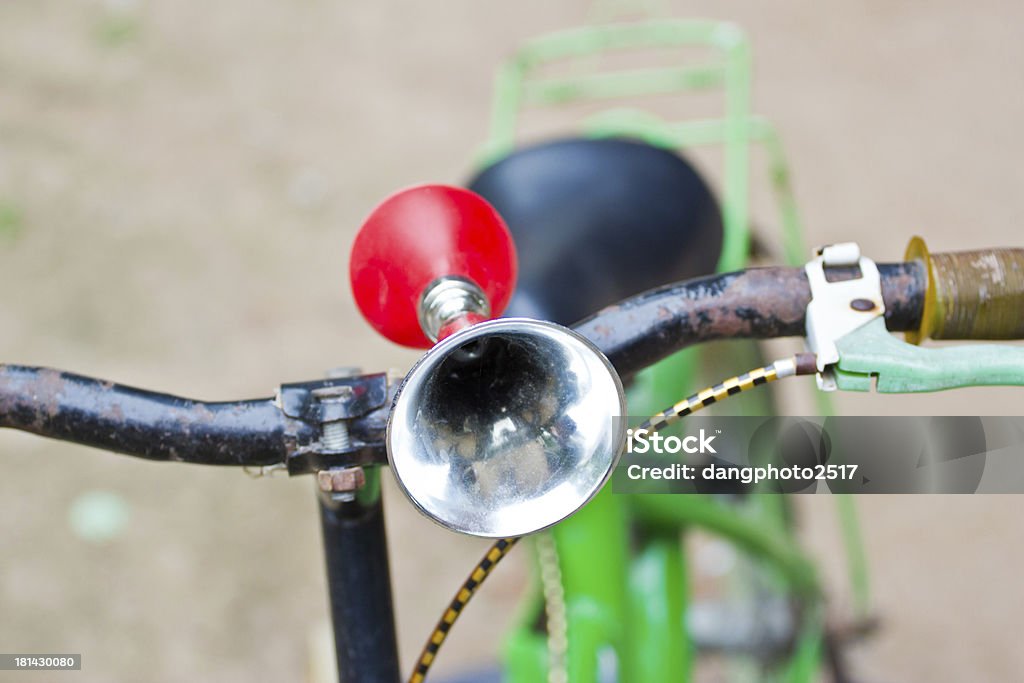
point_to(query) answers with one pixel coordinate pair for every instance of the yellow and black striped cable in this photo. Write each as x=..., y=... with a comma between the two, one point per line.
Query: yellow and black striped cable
x=500, y=548
x=802, y=364
x=730, y=387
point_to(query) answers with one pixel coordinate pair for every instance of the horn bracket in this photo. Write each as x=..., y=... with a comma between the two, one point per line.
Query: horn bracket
x=361, y=401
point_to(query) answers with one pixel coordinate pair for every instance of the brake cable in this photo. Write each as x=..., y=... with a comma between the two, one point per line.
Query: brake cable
x=800, y=364
x=498, y=551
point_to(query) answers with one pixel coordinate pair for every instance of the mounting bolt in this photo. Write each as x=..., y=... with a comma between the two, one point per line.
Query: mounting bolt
x=338, y=483
x=334, y=432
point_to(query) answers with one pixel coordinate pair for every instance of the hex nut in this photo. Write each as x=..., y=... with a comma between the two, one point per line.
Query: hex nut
x=341, y=479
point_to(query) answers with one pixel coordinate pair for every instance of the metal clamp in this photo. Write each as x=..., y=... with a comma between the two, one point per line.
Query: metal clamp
x=351, y=415
x=839, y=307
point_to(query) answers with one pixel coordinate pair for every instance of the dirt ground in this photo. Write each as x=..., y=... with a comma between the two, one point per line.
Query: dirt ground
x=180, y=183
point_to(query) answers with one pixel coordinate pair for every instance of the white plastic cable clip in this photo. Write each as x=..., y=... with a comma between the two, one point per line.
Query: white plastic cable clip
x=840, y=307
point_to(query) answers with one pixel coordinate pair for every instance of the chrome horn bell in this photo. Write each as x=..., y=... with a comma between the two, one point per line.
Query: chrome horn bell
x=506, y=427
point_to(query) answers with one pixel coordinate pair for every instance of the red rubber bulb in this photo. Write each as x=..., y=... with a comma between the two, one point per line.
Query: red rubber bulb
x=418, y=235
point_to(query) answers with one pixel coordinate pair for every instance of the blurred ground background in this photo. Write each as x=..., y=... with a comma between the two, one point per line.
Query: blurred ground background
x=180, y=183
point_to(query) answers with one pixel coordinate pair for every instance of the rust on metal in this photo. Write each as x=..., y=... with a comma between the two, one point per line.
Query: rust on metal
x=341, y=479
x=635, y=333
x=146, y=424
x=758, y=303
x=970, y=294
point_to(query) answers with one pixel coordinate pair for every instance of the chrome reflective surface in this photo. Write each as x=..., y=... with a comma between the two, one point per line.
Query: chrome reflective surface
x=446, y=299
x=506, y=428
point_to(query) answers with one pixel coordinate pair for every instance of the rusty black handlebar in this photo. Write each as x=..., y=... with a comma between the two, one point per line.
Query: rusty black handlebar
x=757, y=303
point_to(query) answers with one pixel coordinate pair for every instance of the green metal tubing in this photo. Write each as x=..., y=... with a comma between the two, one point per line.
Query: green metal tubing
x=658, y=597
x=765, y=541
x=593, y=549
x=595, y=593
x=805, y=662
x=525, y=656
x=370, y=492
x=736, y=240
x=631, y=83
x=588, y=40
x=856, y=557
x=613, y=601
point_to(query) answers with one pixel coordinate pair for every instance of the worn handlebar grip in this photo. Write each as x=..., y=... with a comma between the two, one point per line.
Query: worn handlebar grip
x=970, y=294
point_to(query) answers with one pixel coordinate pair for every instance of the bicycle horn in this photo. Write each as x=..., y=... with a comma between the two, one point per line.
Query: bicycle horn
x=504, y=427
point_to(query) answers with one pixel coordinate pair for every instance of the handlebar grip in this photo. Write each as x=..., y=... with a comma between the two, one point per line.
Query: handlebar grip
x=970, y=294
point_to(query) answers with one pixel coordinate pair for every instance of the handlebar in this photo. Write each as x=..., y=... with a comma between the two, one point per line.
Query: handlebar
x=756, y=303
x=284, y=429
x=146, y=424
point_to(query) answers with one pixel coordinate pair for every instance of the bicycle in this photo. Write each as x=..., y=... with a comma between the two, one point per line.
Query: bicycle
x=299, y=434
x=336, y=428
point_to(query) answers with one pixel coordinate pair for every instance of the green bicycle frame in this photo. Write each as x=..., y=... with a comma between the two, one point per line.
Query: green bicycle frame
x=622, y=558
